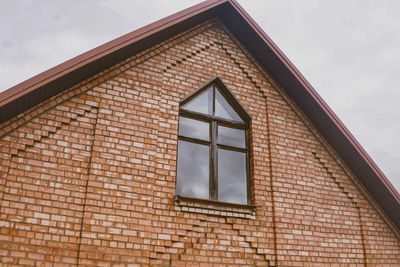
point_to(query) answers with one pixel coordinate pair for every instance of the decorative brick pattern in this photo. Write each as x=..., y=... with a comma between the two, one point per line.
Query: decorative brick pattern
x=44, y=185
x=88, y=177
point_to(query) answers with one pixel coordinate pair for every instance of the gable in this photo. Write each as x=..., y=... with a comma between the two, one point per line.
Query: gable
x=301, y=187
x=239, y=23
x=124, y=176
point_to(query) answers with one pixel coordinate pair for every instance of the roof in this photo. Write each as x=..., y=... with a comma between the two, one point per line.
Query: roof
x=25, y=95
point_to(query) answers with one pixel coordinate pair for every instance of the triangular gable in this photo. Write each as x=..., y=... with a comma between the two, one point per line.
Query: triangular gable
x=49, y=83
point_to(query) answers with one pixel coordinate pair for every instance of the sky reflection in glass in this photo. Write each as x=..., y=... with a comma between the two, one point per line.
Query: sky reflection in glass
x=223, y=109
x=232, y=176
x=231, y=137
x=194, y=128
x=201, y=103
x=193, y=170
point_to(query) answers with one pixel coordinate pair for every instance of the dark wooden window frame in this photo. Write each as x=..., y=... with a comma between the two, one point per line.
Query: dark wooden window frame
x=214, y=122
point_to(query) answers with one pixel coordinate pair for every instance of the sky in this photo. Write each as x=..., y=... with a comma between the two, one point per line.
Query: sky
x=348, y=50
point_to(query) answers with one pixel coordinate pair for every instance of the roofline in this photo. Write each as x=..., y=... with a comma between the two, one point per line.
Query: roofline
x=75, y=63
x=317, y=98
x=15, y=95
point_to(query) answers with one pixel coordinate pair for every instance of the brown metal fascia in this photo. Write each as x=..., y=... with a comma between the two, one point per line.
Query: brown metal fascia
x=317, y=98
x=75, y=63
x=35, y=83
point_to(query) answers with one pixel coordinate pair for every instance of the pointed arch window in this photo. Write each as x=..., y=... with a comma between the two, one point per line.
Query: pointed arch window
x=213, y=146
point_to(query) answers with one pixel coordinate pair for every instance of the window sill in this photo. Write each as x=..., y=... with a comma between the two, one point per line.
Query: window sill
x=213, y=207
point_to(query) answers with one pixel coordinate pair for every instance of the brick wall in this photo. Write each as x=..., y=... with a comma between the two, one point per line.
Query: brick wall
x=88, y=177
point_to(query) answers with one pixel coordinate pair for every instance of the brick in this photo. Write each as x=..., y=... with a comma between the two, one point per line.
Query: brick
x=94, y=169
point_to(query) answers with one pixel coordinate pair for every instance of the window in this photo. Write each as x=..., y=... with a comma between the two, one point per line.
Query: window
x=213, y=146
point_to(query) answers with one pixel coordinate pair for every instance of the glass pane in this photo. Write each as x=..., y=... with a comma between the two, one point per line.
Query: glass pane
x=201, y=103
x=232, y=186
x=231, y=137
x=194, y=128
x=193, y=170
x=223, y=109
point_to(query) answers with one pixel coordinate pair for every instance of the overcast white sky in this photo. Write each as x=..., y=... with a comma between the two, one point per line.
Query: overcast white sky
x=349, y=50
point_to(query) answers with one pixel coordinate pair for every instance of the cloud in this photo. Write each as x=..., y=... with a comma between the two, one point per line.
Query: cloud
x=348, y=50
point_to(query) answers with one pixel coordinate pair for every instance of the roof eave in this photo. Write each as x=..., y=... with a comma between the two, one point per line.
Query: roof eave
x=14, y=94
x=321, y=115
x=19, y=98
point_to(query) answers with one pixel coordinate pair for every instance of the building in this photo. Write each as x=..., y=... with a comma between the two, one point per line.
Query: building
x=191, y=141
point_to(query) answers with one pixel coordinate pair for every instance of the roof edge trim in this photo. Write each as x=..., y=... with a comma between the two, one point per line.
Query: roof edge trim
x=70, y=65
x=317, y=98
x=20, y=92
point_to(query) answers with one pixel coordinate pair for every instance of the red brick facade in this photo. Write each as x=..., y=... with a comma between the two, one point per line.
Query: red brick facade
x=88, y=176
